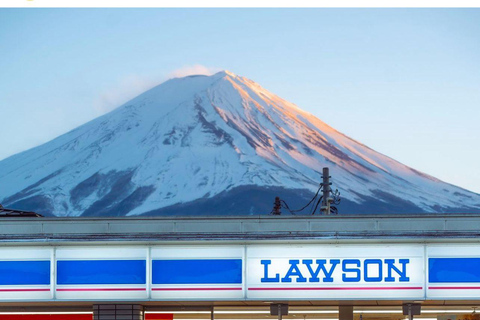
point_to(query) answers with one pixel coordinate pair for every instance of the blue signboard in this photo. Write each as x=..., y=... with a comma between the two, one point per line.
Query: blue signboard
x=25, y=272
x=76, y=272
x=454, y=270
x=197, y=271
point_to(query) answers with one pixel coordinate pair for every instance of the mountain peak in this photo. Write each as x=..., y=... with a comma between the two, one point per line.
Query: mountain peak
x=224, y=73
x=217, y=75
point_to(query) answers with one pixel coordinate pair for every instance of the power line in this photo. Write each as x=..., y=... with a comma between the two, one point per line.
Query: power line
x=329, y=197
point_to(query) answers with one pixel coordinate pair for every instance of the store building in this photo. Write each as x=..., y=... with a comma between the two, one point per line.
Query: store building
x=231, y=268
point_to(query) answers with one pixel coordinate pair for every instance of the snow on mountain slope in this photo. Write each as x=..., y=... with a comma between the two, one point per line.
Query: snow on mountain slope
x=195, y=137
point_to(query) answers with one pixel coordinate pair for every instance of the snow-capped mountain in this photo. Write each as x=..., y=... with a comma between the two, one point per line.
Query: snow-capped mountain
x=217, y=144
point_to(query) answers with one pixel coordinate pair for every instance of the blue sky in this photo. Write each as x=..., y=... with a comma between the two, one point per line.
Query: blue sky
x=405, y=82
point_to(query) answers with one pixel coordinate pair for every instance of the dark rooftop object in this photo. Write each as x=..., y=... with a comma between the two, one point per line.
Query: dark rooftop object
x=6, y=213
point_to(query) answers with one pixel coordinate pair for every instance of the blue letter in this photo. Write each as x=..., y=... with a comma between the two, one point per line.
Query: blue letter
x=294, y=271
x=314, y=275
x=346, y=262
x=265, y=272
x=321, y=266
x=391, y=266
x=365, y=270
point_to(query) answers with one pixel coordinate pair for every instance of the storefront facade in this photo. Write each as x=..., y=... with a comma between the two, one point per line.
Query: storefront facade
x=325, y=267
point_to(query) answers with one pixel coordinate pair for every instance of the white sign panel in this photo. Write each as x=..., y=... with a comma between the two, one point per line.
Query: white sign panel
x=104, y=273
x=241, y=272
x=335, y=272
x=200, y=273
x=25, y=274
x=453, y=271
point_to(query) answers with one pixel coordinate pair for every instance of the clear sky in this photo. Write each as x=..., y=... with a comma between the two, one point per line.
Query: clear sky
x=405, y=82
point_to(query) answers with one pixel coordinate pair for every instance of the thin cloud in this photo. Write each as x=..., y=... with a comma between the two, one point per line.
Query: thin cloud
x=124, y=90
x=196, y=69
x=131, y=86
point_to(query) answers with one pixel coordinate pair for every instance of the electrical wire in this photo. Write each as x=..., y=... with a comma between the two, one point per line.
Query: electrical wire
x=316, y=194
x=335, y=200
x=301, y=209
x=316, y=206
x=285, y=205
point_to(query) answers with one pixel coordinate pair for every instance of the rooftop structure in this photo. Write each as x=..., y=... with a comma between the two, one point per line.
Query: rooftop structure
x=396, y=228
x=6, y=213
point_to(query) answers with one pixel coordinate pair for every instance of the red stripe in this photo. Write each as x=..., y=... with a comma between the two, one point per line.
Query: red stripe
x=22, y=290
x=341, y=288
x=159, y=316
x=103, y=289
x=194, y=289
x=455, y=288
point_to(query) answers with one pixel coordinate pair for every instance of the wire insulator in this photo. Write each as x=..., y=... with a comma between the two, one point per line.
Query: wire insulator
x=277, y=205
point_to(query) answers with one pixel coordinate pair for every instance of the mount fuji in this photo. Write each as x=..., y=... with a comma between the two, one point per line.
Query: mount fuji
x=213, y=145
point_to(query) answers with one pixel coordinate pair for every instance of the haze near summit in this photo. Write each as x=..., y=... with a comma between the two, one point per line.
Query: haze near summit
x=404, y=82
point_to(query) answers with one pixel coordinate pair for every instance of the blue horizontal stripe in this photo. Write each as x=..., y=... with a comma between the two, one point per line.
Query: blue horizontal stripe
x=24, y=272
x=197, y=271
x=101, y=272
x=458, y=270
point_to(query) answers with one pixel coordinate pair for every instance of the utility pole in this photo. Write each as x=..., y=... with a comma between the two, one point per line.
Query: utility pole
x=325, y=208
